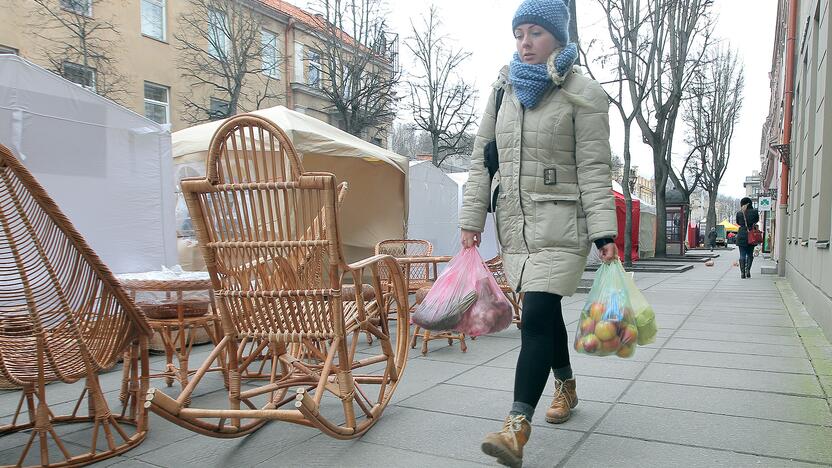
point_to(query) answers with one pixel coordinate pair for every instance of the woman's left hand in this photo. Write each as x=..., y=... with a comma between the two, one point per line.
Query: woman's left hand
x=609, y=253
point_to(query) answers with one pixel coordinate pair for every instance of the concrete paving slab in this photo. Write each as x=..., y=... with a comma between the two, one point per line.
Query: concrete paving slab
x=458, y=437
x=761, y=405
x=647, y=454
x=738, y=337
x=736, y=348
x=749, y=329
x=589, y=388
x=495, y=405
x=755, y=436
x=422, y=374
x=479, y=352
x=248, y=451
x=766, y=320
x=735, y=361
x=794, y=384
x=325, y=452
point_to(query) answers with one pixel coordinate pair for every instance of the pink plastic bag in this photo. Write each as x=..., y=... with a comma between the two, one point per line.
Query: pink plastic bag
x=465, y=298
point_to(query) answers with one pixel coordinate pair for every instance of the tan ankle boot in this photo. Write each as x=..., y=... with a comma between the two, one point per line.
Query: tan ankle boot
x=566, y=398
x=507, y=445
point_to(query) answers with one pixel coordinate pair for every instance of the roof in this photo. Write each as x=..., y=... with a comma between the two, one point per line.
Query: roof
x=309, y=19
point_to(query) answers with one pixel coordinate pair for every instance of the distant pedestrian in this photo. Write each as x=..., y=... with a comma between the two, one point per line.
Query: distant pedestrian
x=746, y=217
x=712, y=238
x=553, y=122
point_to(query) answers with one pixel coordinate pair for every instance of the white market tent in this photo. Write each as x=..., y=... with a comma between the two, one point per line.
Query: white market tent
x=489, y=247
x=108, y=168
x=647, y=231
x=434, y=208
x=375, y=207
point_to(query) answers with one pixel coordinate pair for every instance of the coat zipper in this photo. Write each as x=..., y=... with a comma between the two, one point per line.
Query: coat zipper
x=520, y=193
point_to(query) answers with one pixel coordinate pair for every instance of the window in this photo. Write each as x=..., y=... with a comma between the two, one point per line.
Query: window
x=298, y=62
x=313, y=74
x=7, y=50
x=156, y=103
x=219, y=109
x=217, y=34
x=81, y=7
x=80, y=75
x=153, y=19
x=269, y=43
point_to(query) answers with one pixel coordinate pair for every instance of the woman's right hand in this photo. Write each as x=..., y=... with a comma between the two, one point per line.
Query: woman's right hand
x=470, y=238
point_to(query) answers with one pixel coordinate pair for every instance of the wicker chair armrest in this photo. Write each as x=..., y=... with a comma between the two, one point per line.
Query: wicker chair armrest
x=395, y=286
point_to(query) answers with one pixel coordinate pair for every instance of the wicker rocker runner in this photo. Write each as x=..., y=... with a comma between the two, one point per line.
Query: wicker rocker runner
x=269, y=233
x=63, y=318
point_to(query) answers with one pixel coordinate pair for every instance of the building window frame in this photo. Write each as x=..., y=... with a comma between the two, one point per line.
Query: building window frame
x=155, y=102
x=89, y=82
x=314, y=70
x=218, y=38
x=215, y=112
x=77, y=7
x=269, y=55
x=161, y=5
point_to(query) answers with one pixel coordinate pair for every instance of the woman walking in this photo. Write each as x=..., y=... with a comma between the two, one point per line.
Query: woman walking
x=746, y=218
x=554, y=197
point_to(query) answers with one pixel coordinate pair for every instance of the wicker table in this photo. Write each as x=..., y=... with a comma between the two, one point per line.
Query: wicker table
x=175, y=309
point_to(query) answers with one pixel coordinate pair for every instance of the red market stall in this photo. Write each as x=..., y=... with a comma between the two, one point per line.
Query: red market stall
x=621, y=215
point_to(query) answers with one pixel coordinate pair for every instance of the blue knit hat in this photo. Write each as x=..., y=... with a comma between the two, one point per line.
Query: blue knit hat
x=551, y=15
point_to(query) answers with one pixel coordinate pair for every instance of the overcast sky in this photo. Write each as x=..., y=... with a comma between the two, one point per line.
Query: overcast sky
x=483, y=27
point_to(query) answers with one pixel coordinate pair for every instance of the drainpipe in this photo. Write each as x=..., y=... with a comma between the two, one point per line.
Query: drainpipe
x=791, y=36
x=290, y=67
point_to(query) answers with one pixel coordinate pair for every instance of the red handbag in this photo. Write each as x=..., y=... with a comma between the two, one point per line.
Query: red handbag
x=755, y=236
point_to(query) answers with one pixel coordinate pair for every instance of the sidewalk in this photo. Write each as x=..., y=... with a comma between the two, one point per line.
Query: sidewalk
x=739, y=376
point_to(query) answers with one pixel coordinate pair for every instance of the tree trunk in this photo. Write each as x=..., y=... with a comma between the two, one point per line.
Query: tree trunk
x=660, y=177
x=628, y=199
x=435, y=149
x=711, y=218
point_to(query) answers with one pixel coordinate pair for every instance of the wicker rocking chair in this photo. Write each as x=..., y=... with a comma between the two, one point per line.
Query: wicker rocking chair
x=269, y=233
x=63, y=318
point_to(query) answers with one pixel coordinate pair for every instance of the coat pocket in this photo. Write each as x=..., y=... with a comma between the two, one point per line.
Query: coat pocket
x=555, y=220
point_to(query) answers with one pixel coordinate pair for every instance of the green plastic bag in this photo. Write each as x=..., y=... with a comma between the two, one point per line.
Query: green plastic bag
x=607, y=325
x=645, y=317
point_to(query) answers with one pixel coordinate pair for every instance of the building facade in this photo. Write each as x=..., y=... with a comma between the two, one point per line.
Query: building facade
x=144, y=45
x=797, y=153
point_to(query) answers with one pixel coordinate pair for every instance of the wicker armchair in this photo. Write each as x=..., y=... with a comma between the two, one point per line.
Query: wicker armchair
x=269, y=234
x=417, y=275
x=63, y=317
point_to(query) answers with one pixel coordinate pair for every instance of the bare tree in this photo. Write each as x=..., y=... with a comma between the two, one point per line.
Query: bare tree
x=79, y=44
x=359, y=63
x=441, y=101
x=628, y=25
x=712, y=113
x=680, y=30
x=221, y=49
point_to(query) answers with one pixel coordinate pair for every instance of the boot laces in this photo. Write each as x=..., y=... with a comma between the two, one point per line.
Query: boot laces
x=514, y=423
x=560, y=392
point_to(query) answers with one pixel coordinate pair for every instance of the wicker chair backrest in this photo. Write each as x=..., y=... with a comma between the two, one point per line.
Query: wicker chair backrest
x=62, y=312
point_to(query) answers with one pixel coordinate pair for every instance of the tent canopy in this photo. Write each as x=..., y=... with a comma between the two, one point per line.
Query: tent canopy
x=729, y=226
x=376, y=205
x=434, y=207
x=108, y=168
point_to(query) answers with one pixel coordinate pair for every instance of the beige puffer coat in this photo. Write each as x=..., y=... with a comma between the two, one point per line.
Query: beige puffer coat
x=555, y=182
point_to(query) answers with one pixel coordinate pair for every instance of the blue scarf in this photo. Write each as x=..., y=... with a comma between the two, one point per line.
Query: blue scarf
x=530, y=81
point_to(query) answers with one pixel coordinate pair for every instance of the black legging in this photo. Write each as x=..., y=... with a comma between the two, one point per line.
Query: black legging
x=544, y=345
x=746, y=255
